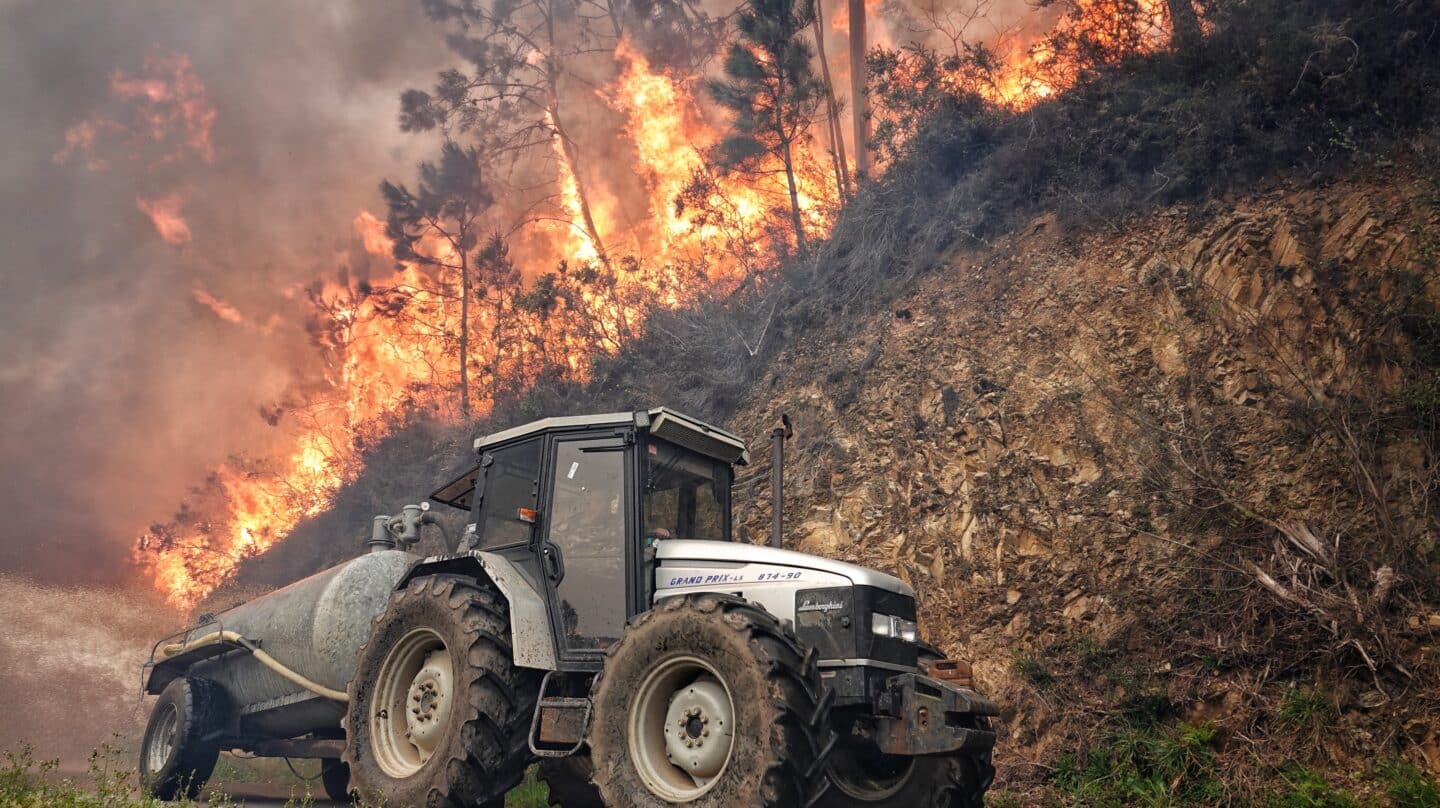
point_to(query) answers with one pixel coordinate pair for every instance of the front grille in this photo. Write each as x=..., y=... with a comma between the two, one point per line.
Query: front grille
x=836, y=623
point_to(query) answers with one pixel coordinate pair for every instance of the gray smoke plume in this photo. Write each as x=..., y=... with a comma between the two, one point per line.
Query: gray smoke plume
x=119, y=389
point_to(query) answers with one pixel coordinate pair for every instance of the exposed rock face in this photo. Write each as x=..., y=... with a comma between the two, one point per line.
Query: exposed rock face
x=1099, y=452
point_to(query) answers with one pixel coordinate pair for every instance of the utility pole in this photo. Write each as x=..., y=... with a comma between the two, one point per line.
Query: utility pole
x=859, y=100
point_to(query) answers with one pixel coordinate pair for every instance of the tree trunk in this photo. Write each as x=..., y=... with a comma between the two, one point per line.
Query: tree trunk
x=1184, y=24
x=859, y=99
x=572, y=159
x=832, y=125
x=464, y=329
x=794, y=200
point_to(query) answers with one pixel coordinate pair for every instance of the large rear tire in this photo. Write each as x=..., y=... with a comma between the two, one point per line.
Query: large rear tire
x=439, y=713
x=179, y=750
x=568, y=779
x=710, y=702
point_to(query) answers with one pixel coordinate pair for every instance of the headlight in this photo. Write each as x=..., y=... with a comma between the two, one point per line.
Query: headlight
x=884, y=625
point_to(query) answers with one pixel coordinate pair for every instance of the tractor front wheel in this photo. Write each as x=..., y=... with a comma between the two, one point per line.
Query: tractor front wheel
x=708, y=701
x=859, y=780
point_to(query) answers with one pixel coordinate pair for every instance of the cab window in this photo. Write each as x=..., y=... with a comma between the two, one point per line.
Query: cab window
x=510, y=484
x=686, y=496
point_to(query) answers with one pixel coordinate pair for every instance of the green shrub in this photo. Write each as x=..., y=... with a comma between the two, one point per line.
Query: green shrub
x=1303, y=707
x=1304, y=788
x=1408, y=786
x=1091, y=655
x=529, y=794
x=1155, y=766
x=1030, y=668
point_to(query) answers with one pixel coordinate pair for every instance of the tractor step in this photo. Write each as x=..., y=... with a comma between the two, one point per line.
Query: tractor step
x=558, y=727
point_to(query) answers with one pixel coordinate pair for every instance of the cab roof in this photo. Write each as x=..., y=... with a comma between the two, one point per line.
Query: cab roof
x=662, y=422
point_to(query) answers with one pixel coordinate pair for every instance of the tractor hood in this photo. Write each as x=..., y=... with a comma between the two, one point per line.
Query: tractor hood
x=725, y=552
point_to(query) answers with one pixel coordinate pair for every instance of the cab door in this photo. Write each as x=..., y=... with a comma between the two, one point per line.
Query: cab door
x=583, y=544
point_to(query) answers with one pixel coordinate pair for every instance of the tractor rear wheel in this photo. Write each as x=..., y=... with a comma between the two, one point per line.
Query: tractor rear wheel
x=709, y=701
x=438, y=713
x=178, y=752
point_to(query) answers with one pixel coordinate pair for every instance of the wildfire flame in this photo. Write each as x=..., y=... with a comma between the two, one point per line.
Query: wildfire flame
x=386, y=340
x=164, y=213
x=162, y=115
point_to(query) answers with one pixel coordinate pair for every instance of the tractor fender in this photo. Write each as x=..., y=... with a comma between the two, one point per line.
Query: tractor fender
x=534, y=647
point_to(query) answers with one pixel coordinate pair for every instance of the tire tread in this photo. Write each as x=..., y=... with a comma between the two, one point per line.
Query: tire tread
x=494, y=751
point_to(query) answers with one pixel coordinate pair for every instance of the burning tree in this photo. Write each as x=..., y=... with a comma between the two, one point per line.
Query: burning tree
x=961, y=58
x=677, y=34
x=771, y=87
x=510, y=101
x=436, y=226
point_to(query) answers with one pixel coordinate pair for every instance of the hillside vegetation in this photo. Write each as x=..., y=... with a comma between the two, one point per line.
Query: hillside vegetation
x=1171, y=490
x=1139, y=389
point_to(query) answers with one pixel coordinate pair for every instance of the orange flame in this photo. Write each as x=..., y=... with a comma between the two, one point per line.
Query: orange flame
x=164, y=214
x=220, y=308
x=1032, y=68
x=162, y=114
x=390, y=342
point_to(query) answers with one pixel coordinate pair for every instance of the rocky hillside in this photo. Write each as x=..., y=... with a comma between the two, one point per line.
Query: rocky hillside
x=1172, y=489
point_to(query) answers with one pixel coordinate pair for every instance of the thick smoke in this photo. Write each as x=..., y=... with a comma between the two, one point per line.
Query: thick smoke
x=120, y=387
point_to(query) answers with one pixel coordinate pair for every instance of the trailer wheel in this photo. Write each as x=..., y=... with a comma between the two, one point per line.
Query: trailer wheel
x=335, y=776
x=439, y=714
x=709, y=701
x=178, y=752
x=568, y=779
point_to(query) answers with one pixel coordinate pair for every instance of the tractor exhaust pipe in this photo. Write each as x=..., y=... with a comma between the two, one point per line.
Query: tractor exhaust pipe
x=778, y=435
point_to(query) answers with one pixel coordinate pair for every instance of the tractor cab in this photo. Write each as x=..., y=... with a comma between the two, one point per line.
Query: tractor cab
x=576, y=504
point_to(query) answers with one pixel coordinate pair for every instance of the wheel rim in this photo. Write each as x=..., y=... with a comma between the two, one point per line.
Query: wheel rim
x=161, y=743
x=415, y=690
x=869, y=778
x=681, y=730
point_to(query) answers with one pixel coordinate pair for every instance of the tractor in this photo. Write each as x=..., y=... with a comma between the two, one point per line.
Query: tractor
x=594, y=616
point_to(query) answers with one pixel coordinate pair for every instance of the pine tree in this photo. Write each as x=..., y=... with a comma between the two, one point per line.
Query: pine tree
x=444, y=211
x=770, y=86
